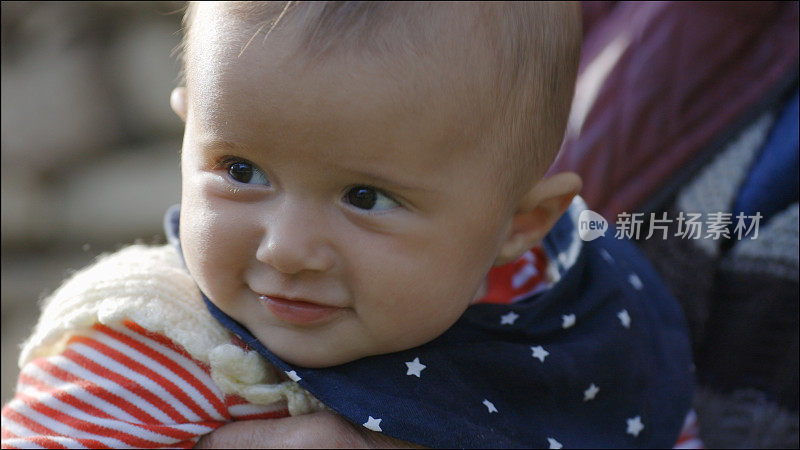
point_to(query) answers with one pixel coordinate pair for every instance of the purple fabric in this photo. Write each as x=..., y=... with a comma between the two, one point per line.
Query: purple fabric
x=687, y=72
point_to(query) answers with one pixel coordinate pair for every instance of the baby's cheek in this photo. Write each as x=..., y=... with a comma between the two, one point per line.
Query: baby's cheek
x=199, y=232
x=212, y=245
x=414, y=307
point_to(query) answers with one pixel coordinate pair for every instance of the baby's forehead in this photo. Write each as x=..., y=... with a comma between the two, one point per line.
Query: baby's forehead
x=397, y=43
x=329, y=29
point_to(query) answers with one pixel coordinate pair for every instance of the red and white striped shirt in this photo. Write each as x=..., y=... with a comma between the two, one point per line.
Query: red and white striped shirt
x=120, y=387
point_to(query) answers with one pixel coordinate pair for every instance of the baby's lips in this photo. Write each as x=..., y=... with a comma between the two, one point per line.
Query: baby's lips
x=299, y=312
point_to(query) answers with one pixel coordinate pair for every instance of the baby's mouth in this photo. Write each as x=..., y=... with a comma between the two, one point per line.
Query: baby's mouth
x=298, y=311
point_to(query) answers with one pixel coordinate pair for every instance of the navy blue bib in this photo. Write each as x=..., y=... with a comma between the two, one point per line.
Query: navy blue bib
x=600, y=359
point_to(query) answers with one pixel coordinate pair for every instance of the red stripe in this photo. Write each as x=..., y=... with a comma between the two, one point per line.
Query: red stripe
x=187, y=444
x=177, y=369
x=163, y=429
x=161, y=339
x=62, y=418
x=689, y=431
x=36, y=428
x=100, y=430
x=6, y=434
x=266, y=415
x=6, y=444
x=63, y=396
x=86, y=408
x=114, y=399
x=141, y=392
x=136, y=367
x=686, y=437
x=233, y=400
x=95, y=390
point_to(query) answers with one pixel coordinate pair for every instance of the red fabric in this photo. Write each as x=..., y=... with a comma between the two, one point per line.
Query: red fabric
x=530, y=271
x=122, y=386
x=687, y=71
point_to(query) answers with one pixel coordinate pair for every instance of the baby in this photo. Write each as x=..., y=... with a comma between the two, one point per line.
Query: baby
x=363, y=206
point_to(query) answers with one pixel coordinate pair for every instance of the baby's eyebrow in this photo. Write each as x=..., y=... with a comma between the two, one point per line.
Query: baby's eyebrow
x=222, y=143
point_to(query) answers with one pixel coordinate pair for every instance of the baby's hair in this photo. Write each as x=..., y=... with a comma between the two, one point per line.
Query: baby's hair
x=533, y=51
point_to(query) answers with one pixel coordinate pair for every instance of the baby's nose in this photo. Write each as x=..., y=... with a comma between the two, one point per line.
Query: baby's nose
x=295, y=241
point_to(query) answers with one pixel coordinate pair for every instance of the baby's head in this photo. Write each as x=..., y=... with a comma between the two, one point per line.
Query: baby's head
x=351, y=171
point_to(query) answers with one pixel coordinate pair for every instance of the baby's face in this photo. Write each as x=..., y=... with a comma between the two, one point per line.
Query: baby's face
x=338, y=212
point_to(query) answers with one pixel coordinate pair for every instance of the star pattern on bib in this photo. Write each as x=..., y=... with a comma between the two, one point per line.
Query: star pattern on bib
x=624, y=318
x=590, y=392
x=415, y=367
x=539, y=353
x=293, y=375
x=635, y=426
x=373, y=424
x=635, y=281
x=509, y=319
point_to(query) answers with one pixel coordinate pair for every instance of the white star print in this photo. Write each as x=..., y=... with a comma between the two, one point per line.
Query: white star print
x=509, y=318
x=606, y=255
x=562, y=258
x=540, y=353
x=625, y=318
x=568, y=321
x=293, y=375
x=635, y=426
x=635, y=281
x=373, y=424
x=554, y=443
x=527, y=272
x=415, y=368
x=490, y=406
x=589, y=393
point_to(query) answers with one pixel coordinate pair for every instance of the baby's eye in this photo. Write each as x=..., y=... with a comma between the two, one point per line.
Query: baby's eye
x=369, y=199
x=245, y=172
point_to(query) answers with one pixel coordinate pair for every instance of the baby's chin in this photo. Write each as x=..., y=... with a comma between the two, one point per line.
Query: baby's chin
x=315, y=360
x=315, y=357
x=308, y=352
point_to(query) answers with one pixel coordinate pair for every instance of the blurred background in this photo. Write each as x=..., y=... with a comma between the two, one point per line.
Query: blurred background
x=89, y=143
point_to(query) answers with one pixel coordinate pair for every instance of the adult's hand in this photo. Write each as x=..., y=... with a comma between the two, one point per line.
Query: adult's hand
x=317, y=430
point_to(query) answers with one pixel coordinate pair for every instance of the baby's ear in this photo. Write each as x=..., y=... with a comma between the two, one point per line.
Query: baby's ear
x=537, y=212
x=177, y=100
